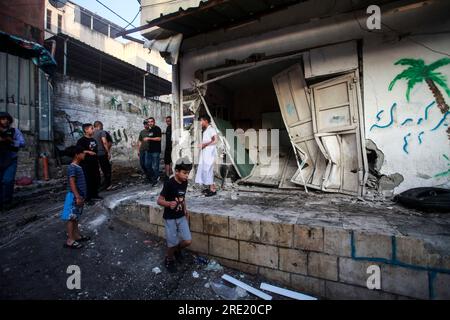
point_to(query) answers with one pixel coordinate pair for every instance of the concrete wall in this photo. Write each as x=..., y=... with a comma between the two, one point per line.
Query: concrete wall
x=326, y=262
x=421, y=162
x=78, y=102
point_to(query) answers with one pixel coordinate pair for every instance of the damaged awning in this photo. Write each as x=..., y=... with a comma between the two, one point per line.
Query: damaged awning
x=168, y=48
x=210, y=15
x=29, y=50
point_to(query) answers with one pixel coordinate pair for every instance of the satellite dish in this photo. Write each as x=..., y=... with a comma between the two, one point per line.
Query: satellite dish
x=58, y=3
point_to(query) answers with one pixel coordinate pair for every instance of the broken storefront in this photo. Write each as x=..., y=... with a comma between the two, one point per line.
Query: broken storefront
x=347, y=113
x=353, y=110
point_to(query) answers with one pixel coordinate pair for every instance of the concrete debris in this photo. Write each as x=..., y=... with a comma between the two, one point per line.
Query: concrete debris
x=388, y=183
x=195, y=274
x=223, y=291
x=248, y=288
x=213, y=265
x=156, y=270
x=200, y=260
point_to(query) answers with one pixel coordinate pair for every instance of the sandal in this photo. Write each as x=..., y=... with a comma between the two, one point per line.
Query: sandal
x=74, y=245
x=210, y=193
x=84, y=238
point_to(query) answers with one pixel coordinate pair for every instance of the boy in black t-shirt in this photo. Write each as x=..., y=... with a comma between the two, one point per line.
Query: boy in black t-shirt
x=172, y=198
x=90, y=163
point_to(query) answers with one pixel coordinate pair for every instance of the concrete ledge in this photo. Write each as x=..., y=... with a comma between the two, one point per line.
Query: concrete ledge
x=324, y=261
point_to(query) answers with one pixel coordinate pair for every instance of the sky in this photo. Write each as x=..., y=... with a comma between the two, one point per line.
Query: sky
x=125, y=8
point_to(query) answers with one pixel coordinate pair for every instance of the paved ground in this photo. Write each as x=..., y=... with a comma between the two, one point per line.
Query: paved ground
x=116, y=264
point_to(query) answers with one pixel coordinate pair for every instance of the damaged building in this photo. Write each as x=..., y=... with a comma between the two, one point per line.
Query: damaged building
x=60, y=67
x=101, y=78
x=344, y=82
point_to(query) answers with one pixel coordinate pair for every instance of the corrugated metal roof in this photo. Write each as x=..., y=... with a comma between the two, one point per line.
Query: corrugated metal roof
x=86, y=62
x=217, y=14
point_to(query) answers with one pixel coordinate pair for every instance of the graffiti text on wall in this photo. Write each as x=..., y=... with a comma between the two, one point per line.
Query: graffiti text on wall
x=417, y=72
x=381, y=123
x=444, y=173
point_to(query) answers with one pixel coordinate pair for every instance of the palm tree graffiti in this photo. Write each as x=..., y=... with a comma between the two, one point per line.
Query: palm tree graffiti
x=418, y=72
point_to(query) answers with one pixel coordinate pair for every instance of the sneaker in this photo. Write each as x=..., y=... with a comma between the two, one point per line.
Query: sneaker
x=170, y=265
x=205, y=191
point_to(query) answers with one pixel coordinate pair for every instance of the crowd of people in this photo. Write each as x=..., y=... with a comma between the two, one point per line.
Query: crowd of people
x=83, y=180
x=92, y=153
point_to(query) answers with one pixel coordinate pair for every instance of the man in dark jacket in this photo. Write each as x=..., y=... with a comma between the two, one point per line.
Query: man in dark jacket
x=11, y=139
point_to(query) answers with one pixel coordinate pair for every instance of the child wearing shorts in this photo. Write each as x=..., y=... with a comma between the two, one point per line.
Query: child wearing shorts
x=172, y=198
x=73, y=205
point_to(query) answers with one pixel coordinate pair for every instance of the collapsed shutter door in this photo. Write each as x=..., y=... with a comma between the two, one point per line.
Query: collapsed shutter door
x=338, y=135
x=291, y=90
x=324, y=130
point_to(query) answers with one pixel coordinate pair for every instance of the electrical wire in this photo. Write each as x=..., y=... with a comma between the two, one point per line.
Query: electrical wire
x=133, y=18
x=115, y=13
x=399, y=34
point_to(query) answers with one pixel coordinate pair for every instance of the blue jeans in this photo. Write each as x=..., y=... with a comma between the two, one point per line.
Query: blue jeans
x=8, y=168
x=142, y=161
x=152, y=160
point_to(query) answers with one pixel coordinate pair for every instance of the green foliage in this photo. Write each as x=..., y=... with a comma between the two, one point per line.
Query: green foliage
x=418, y=72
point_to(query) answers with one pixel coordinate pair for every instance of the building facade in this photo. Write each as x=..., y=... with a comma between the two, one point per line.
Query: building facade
x=358, y=92
x=90, y=28
x=100, y=77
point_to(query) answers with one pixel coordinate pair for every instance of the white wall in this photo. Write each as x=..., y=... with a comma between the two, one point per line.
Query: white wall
x=419, y=163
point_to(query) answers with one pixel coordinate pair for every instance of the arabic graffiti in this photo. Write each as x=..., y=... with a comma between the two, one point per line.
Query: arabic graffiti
x=444, y=173
x=408, y=120
x=391, y=121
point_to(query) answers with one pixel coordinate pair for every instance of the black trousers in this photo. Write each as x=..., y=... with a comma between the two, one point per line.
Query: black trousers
x=105, y=166
x=92, y=176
